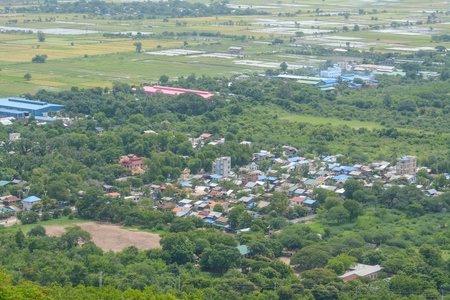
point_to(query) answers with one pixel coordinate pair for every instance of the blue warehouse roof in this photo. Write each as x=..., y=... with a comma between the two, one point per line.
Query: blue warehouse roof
x=35, y=108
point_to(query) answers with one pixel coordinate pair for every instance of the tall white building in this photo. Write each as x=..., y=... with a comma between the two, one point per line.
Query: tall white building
x=222, y=166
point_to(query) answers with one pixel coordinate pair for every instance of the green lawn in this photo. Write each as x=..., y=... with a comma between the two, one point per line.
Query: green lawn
x=63, y=221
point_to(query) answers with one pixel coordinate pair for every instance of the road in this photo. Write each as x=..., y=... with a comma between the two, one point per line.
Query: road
x=303, y=219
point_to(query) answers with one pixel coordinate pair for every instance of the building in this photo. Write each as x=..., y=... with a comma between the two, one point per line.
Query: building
x=361, y=270
x=14, y=136
x=407, y=165
x=20, y=107
x=29, y=202
x=236, y=50
x=171, y=91
x=331, y=72
x=133, y=163
x=222, y=166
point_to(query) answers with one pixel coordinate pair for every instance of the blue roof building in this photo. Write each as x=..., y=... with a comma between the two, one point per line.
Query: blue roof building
x=28, y=202
x=30, y=107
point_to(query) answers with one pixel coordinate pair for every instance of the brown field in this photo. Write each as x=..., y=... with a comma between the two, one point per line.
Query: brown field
x=111, y=237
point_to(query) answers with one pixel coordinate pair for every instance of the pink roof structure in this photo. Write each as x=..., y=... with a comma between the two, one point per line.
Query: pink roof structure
x=171, y=91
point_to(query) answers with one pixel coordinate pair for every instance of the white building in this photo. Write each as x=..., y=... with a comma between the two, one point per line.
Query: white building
x=14, y=136
x=222, y=166
x=331, y=72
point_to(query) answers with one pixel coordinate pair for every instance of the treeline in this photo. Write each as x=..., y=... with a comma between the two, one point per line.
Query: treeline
x=138, y=10
x=171, y=269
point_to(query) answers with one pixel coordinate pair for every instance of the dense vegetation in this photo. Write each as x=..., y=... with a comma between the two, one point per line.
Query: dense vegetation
x=408, y=228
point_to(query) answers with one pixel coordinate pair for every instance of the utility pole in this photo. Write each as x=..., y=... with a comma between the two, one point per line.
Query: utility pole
x=356, y=291
x=275, y=289
x=179, y=282
x=100, y=281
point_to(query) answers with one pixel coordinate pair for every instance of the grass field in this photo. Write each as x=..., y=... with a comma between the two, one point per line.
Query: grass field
x=90, y=59
x=63, y=221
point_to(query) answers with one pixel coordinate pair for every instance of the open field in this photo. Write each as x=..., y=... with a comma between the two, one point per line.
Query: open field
x=79, y=54
x=112, y=237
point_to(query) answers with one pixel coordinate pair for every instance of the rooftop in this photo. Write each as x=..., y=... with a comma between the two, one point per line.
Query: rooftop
x=22, y=103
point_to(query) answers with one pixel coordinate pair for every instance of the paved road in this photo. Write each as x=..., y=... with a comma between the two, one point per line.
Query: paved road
x=303, y=219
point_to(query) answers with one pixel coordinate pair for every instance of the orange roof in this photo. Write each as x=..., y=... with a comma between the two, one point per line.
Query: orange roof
x=176, y=209
x=113, y=194
x=298, y=199
x=215, y=203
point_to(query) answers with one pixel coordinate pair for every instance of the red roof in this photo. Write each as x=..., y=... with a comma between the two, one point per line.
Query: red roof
x=206, y=135
x=350, y=277
x=11, y=199
x=115, y=194
x=298, y=199
x=171, y=91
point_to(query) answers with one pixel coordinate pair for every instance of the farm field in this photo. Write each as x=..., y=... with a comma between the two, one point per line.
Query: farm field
x=80, y=52
x=112, y=237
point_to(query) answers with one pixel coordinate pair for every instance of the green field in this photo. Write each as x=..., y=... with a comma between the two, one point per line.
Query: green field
x=63, y=221
x=90, y=59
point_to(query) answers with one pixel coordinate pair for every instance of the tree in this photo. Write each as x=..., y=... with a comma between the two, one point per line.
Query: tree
x=337, y=213
x=39, y=59
x=309, y=258
x=341, y=263
x=356, y=27
x=221, y=257
x=20, y=239
x=351, y=185
x=234, y=216
x=27, y=76
x=354, y=208
x=431, y=255
x=164, y=79
x=74, y=235
x=138, y=46
x=179, y=248
x=283, y=66
x=41, y=36
x=37, y=231
x=279, y=202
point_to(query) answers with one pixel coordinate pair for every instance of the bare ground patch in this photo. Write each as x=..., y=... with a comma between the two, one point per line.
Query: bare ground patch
x=112, y=237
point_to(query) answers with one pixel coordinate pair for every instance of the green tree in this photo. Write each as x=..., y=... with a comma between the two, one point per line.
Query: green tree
x=164, y=79
x=138, y=46
x=337, y=213
x=283, y=66
x=354, y=209
x=27, y=76
x=41, y=36
x=20, y=239
x=235, y=215
x=179, y=248
x=220, y=257
x=37, y=231
x=309, y=258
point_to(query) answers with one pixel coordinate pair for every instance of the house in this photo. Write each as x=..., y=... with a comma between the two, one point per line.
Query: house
x=186, y=175
x=99, y=130
x=312, y=183
x=243, y=249
x=361, y=270
x=250, y=177
x=132, y=162
x=29, y=202
x=9, y=200
x=236, y=50
x=114, y=195
x=14, y=136
x=205, y=136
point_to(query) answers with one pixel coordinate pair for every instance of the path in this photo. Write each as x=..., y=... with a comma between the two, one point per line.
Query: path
x=307, y=218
